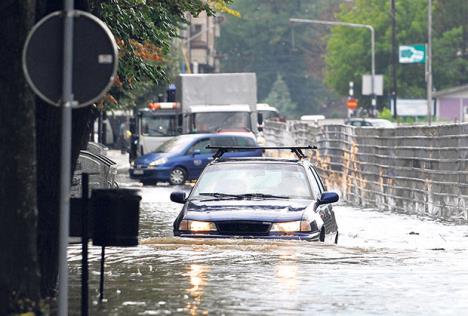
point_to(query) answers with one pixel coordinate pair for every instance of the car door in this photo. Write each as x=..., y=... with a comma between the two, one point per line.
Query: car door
x=199, y=156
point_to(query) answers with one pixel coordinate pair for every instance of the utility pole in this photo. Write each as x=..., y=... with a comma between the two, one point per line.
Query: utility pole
x=429, y=63
x=394, y=61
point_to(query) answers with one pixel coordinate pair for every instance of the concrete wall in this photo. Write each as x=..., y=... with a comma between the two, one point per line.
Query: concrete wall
x=414, y=170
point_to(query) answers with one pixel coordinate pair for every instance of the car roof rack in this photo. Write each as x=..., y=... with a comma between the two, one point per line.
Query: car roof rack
x=220, y=150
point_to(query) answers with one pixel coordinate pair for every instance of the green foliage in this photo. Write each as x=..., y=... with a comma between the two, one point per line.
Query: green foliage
x=261, y=41
x=145, y=30
x=280, y=98
x=385, y=114
x=450, y=37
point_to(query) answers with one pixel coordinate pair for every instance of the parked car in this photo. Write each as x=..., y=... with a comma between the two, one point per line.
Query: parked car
x=369, y=122
x=264, y=197
x=184, y=157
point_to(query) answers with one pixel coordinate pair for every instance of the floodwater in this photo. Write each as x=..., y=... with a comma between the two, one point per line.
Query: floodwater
x=384, y=264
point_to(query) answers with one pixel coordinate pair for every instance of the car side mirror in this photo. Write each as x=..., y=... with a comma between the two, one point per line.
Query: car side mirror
x=178, y=197
x=328, y=197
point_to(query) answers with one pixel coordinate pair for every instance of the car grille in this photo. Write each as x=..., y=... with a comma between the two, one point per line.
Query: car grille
x=243, y=228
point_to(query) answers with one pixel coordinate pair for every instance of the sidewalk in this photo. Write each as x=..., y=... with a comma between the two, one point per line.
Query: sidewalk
x=121, y=159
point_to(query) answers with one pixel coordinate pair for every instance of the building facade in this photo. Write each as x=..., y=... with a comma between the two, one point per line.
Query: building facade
x=198, y=44
x=452, y=104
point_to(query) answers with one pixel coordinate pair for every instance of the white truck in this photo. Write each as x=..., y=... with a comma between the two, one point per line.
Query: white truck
x=205, y=103
x=218, y=102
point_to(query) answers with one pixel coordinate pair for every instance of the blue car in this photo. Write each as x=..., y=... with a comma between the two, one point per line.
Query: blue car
x=270, y=198
x=184, y=157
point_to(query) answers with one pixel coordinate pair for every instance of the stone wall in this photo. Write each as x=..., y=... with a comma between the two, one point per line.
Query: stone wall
x=416, y=170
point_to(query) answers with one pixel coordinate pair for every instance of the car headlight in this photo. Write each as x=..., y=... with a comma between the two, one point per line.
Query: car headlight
x=197, y=226
x=158, y=162
x=288, y=227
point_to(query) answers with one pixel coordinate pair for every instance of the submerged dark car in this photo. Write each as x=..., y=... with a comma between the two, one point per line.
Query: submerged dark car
x=258, y=198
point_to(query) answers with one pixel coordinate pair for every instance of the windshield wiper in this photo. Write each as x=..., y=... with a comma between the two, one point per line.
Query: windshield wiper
x=263, y=196
x=221, y=195
x=244, y=196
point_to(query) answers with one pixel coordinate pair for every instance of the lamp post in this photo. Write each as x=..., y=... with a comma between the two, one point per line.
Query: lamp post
x=354, y=25
x=394, y=60
x=429, y=63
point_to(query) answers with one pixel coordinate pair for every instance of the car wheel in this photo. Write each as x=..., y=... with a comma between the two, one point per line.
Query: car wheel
x=178, y=176
x=322, y=234
x=336, y=238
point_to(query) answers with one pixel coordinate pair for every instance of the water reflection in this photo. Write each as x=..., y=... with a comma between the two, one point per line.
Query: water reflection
x=197, y=274
x=287, y=276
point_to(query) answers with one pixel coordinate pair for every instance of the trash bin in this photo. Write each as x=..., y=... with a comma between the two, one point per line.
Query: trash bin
x=116, y=214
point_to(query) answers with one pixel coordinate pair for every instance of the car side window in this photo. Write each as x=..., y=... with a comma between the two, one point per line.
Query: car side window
x=244, y=142
x=227, y=141
x=318, y=180
x=314, y=184
x=200, y=146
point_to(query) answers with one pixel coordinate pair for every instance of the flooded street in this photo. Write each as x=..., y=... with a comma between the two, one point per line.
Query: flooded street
x=384, y=264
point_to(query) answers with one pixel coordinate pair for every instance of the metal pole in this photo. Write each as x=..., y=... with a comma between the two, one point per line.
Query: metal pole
x=337, y=23
x=101, y=278
x=429, y=63
x=65, y=170
x=374, y=102
x=84, y=245
x=394, y=61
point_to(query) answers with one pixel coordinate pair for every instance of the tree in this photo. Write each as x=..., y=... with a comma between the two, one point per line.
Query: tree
x=30, y=130
x=19, y=277
x=261, y=41
x=449, y=45
x=279, y=97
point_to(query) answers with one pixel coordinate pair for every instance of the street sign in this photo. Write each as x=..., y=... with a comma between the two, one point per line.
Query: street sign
x=352, y=103
x=415, y=53
x=94, y=58
x=367, y=85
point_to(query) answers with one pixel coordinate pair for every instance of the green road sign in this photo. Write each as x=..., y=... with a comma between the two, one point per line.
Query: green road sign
x=415, y=53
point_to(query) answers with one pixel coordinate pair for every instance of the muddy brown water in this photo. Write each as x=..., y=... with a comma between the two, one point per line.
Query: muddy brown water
x=384, y=264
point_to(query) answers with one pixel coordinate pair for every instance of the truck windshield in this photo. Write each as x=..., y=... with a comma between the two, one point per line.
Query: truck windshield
x=158, y=125
x=208, y=122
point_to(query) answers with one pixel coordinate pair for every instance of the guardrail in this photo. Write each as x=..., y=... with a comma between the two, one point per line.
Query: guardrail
x=416, y=170
x=102, y=172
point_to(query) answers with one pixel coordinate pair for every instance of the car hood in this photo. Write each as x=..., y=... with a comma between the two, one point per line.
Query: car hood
x=150, y=157
x=270, y=210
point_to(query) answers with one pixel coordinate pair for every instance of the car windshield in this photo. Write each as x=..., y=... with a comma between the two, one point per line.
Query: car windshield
x=253, y=180
x=207, y=122
x=173, y=145
x=382, y=123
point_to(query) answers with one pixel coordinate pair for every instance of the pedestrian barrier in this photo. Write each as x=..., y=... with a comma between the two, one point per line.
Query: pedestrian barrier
x=102, y=172
x=416, y=170
x=96, y=148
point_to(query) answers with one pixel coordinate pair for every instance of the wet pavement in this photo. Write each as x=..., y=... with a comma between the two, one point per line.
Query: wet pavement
x=384, y=264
